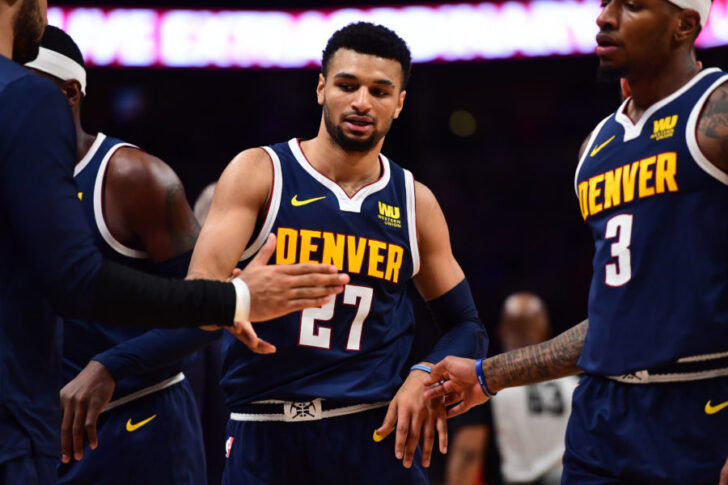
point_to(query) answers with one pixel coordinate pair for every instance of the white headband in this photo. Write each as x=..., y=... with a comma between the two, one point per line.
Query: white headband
x=60, y=66
x=700, y=6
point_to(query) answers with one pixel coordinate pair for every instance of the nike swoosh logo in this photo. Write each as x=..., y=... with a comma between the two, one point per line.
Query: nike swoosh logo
x=298, y=203
x=599, y=148
x=133, y=427
x=714, y=409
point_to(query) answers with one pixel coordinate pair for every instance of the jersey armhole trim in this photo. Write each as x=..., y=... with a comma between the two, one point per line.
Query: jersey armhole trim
x=585, y=155
x=100, y=137
x=691, y=135
x=409, y=184
x=109, y=238
x=273, y=206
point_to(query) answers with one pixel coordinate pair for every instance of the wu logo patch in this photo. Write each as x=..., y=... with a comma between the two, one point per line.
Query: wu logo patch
x=390, y=215
x=664, y=127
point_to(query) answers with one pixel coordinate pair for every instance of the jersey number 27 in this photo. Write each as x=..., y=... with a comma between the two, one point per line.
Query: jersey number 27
x=319, y=336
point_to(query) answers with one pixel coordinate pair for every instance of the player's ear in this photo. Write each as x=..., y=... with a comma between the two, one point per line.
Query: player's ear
x=320, y=89
x=688, y=26
x=400, y=103
x=72, y=90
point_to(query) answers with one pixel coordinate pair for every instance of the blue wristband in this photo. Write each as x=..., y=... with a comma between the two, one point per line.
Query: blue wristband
x=481, y=379
x=421, y=367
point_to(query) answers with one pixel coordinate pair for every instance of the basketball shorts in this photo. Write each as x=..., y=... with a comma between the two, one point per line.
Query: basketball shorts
x=332, y=451
x=669, y=433
x=155, y=439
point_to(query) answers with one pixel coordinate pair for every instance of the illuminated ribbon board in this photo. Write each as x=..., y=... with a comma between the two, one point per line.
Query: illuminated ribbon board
x=294, y=39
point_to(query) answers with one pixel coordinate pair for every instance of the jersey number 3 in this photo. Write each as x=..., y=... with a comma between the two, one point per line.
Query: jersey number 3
x=620, y=272
x=319, y=336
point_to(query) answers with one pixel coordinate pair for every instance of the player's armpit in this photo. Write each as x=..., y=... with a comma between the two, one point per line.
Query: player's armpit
x=145, y=205
x=713, y=128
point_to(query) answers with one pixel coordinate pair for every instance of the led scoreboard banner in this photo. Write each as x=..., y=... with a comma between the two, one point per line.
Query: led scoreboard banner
x=293, y=39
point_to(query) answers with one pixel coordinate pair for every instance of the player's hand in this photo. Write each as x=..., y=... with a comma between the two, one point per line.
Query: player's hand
x=454, y=379
x=82, y=400
x=415, y=417
x=724, y=474
x=276, y=290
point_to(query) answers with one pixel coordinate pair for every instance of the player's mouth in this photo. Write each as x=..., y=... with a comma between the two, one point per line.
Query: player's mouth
x=605, y=45
x=358, y=124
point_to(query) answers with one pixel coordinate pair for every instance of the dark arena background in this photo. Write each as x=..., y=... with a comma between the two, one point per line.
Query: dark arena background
x=495, y=137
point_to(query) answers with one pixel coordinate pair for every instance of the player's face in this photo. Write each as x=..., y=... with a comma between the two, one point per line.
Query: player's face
x=361, y=96
x=634, y=34
x=28, y=25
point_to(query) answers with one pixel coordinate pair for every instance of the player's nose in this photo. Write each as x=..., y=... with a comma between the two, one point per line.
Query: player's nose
x=362, y=100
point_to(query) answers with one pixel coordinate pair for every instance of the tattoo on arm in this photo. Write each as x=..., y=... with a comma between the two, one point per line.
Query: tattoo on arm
x=548, y=360
x=713, y=124
x=181, y=224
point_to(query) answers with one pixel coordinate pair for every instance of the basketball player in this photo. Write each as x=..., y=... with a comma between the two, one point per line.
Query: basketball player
x=139, y=216
x=48, y=261
x=306, y=413
x=651, y=183
x=528, y=423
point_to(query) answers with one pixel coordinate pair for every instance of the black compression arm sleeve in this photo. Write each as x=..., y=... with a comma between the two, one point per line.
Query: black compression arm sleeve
x=129, y=297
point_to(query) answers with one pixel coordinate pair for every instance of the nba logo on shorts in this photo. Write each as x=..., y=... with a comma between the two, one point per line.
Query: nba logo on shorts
x=228, y=446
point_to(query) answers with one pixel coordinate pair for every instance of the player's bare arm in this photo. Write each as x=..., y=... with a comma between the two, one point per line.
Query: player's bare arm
x=240, y=198
x=549, y=360
x=145, y=208
x=439, y=273
x=713, y=128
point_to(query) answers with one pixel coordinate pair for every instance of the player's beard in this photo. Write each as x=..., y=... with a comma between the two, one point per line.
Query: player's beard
x=347, y=143
x=28, y=26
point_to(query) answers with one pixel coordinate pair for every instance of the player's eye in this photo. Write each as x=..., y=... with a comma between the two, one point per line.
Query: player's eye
x=347, y=87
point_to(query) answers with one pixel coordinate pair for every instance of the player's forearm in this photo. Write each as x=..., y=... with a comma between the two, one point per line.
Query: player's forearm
x=548, y=360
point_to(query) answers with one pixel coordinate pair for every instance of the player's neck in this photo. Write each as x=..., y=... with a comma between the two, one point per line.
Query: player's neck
x=6, y=33
x=83, y=143
x=649, y=88
x=350, y=170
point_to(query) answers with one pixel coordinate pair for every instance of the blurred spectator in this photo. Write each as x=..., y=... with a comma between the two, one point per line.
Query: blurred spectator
x=527, y=424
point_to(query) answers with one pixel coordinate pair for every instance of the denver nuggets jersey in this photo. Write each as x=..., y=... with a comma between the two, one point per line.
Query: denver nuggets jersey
x=657, y=211
x=353, y=348
x=83, y=340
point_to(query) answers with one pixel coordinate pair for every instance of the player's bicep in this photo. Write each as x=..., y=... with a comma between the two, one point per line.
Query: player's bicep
x=439, y=271
x=241, y=193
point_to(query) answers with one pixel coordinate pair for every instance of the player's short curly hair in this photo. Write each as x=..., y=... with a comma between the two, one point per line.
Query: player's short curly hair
x=368, y=38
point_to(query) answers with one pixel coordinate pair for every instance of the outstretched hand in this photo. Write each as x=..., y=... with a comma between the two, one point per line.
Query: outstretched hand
x=455, y=379
x=276, y=290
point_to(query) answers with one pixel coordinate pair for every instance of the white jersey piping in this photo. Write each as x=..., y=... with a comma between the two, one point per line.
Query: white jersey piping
x=633, y=130
x=89, y=154
x=331, y=413
x=115, y=244
x=409, y=184
x=275, y=203
x=145, y=392
x=346, y=203
x=692, y=139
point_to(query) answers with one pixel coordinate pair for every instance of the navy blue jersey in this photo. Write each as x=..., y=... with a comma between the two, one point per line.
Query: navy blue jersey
x=353, y=348
x=47, y=256
x=658, y=212
x=83, y=340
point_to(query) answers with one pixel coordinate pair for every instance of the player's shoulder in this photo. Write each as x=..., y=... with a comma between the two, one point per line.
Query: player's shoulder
x=21, y=91
x=425, y=199
x=133, y=167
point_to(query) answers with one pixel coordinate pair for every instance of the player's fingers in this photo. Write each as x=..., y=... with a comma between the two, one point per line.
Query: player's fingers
x=246, y=334
x=319, y=280
x=438, y=373
x=452, y=398
x=387, y=425
x=301, y=304
x=308, y=269
x=313, y=292
x=428, y=440
x=403, y=428
x=457, y=409
x=66, y=437
x=265, y=253
x=443, y=388
x=79, y=421
x=413, y=438
x=441, y=423
x=92, y=417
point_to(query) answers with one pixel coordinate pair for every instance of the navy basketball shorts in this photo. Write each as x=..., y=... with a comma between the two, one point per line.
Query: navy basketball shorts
x=29, y=470
x=667, y=433
x=333, y=450
x=156, y=439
